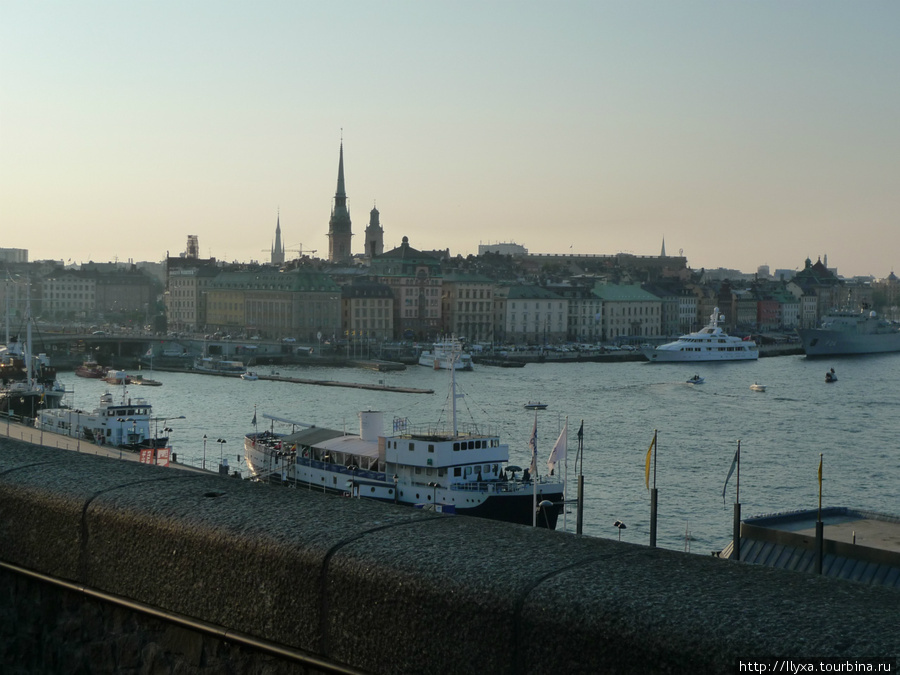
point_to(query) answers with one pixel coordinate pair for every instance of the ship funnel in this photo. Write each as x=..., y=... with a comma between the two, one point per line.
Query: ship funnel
x=370, y=425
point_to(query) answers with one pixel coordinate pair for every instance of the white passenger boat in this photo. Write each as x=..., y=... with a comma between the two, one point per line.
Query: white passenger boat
x=709, y=344
x=124, y=424
x=442, y=353
x=208, y=364
x=756, y=386
x=453, y=470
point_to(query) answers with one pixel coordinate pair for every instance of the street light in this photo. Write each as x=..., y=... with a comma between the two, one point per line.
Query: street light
x=621, y=526
x=396, y=494
x=221, y=442
x=204, y=452
x=434, y=486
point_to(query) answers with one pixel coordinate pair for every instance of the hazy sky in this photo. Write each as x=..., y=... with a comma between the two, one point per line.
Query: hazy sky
x=745, y=133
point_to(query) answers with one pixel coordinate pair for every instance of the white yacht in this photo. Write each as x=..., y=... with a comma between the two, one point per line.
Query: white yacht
x=709, y=344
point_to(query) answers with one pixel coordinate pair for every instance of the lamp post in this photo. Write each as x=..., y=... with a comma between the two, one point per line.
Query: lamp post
x=325, y=459
x=204, y=452
x=434, y=486
x=621, y=526
x=396, y=494
x=221, y=442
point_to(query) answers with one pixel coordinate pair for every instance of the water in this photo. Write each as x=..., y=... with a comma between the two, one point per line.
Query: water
x=782, y=431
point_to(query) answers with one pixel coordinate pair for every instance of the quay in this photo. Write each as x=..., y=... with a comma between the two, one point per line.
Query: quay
x=299, y=380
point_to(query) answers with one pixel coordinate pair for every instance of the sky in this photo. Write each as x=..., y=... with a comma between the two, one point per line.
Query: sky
x=741, y=133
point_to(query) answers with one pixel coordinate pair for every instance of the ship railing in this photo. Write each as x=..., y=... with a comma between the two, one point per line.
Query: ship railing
x=442, y=432
x=502, y=486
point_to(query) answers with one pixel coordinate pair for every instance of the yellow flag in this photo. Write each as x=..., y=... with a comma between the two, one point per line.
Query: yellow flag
x=820, y=473
x=647, y=467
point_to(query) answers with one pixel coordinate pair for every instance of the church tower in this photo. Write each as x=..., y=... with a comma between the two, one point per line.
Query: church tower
x=374, y=236
x=339, y=226
x=278, y=247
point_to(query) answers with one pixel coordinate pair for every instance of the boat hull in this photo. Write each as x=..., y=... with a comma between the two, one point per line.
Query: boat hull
x=659, y=355
x=822, y=342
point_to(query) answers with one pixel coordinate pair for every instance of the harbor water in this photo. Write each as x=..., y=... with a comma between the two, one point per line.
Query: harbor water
x=853, y=423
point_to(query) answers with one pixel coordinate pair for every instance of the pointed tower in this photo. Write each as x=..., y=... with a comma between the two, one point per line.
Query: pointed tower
x=663, y=253
x=278, y=247
x=374, y=235
x=339, y=232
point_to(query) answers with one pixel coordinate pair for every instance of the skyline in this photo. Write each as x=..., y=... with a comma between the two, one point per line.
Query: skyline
x=741, y=134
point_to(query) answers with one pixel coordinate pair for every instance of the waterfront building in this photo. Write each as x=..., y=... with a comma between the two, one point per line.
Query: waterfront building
x=503, y=249
x=367, y=310
x=272, y=304
x=467, y=310
x=629, y=313
x=88, y=293
x=530, y=315
x=340, y=227
x=416, y=279
x=818, y=282
x=583, y=315
x=187, y=281
x=68, y=294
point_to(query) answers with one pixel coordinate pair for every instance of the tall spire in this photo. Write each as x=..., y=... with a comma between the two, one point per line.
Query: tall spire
x=278, y=247
x=663, y=253
x=339, y=227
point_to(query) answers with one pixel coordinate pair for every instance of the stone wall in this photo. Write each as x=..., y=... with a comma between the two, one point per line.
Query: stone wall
x=377, y=588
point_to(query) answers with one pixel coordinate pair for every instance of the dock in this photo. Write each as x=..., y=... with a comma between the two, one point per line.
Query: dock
x=275, y=377
x=352, y=385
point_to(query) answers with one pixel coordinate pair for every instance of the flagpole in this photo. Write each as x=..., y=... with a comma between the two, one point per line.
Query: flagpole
x=534, y=473
x=579, y=511
x=566, y=475
x=820, y=526
x=736, y=525
x=653, y=493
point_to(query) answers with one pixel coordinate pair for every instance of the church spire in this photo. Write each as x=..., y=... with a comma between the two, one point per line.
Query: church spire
x=339, y=227
x=278, y=247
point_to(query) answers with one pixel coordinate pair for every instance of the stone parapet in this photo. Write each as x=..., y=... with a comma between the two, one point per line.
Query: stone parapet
x=388, y=589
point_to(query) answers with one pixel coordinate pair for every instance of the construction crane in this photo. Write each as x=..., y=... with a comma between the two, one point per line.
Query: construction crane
x=300, y=250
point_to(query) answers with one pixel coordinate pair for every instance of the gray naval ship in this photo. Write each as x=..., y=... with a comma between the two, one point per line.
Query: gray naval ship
x=846, y=332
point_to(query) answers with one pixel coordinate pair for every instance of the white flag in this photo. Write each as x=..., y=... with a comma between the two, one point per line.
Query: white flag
x=558, y=454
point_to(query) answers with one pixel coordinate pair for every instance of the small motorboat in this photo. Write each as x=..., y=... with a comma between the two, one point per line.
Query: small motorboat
x=249, y=375
x=696, y=379
x=831, y=376
x=756, y=386
x=535, y=405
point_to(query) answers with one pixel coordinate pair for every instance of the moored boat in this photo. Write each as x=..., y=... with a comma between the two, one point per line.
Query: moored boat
x=91, y=369
x=846, y=332
x=711, y=343
x=443, y=353
x=124, y=424
x=216, y=366
x=449, y=469
x=117, y=377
